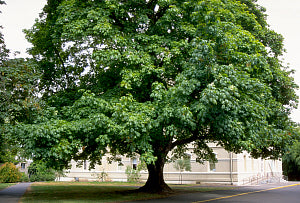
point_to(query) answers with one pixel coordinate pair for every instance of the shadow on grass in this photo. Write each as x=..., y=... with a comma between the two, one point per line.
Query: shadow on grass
x=98, y=192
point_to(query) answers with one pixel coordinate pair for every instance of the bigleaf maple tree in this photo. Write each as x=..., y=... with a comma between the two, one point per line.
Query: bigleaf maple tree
x=149, y=77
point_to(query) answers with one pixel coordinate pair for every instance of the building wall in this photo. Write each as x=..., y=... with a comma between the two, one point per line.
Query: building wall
x=251, y=169
x=230, y=169
x=23, y=166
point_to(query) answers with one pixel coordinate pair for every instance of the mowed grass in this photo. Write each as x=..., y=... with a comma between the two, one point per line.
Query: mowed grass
x=83, y=192
x=99, y=192
x=5, y=185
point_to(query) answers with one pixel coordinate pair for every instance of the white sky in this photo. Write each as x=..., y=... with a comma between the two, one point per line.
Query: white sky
x=283, y=17
x=16, y=16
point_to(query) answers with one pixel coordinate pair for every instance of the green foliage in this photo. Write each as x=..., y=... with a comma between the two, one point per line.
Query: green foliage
x=18, y=102
x=18, y=99
x=295, y=153
x=9, y=173
x=8, y=150
x=158, y=75
x=102, y=177
x=133, y=175
x=4, y=52
x=291, y=162
x=183, y=164
x=40, y=172
x=24, y=177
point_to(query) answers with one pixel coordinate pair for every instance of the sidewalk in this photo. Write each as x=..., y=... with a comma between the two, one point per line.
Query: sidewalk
x=13, y=193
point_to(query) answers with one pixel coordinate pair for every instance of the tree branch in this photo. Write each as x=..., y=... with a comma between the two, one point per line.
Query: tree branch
x=160, y=13
x=155, y=17
x=194, y=137
x=63, y=66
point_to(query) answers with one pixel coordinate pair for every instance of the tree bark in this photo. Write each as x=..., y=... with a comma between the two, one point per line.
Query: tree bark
x=155, y=182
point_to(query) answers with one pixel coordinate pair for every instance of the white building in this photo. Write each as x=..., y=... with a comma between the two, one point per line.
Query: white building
x=236, y=169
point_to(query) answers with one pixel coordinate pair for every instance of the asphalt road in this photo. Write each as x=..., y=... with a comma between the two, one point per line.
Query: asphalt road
x=288, y=192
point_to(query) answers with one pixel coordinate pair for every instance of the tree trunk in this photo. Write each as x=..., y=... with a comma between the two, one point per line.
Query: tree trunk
x=155, y=182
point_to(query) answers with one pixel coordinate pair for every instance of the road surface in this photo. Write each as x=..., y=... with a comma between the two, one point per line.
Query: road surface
x=13, y=193
x=288, y=192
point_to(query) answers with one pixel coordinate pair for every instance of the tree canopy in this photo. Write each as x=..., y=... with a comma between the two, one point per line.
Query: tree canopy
x=18, y=98
x=291, y=160
x=149, y=77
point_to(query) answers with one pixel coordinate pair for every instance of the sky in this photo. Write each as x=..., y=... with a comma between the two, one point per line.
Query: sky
x=283, y=17
x=16, y=16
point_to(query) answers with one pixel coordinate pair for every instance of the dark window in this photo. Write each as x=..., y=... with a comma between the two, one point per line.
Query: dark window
x=23, y=165
x=134, y=163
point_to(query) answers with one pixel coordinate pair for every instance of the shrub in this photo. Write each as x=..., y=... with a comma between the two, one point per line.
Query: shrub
x=102, y=177
x=291, y=162
x=24, y=178
x=133, y=175
x=9, y=173
x=39, y=172
x=182, y=165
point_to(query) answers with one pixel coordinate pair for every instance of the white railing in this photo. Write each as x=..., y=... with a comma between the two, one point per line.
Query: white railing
x=269, y=177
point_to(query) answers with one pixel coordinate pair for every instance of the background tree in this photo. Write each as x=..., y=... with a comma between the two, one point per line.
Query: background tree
x=18, y=102
x=158, y=75
x=18, y=98
x=3, y=56
x=291, y=161
x=38, y=171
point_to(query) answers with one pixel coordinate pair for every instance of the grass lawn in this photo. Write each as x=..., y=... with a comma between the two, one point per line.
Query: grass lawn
x=5, y=185
x=98, y=192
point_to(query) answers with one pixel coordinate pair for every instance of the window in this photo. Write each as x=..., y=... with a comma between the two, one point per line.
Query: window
x=23, y=165
x=120, y=164
x=188, y=156
x=134, y=163
x=212, y=166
